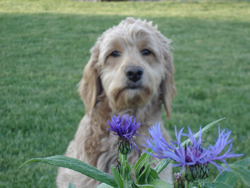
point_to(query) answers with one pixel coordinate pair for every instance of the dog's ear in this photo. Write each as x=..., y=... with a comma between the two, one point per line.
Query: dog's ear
x=168, y=90
x=90, y=85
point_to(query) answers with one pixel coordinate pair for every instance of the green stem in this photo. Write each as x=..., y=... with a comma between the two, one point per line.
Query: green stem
x=190, y=184
x=125, y=178
x=125, y=171
x=124, y=158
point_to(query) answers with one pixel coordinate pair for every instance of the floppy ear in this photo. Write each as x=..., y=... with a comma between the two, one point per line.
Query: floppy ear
x=90, y=85
x=168, y=90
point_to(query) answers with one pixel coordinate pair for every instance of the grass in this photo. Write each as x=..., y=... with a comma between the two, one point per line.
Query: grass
x=44, y=46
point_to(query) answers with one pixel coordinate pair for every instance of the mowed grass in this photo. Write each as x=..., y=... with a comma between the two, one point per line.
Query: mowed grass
x=44, y=46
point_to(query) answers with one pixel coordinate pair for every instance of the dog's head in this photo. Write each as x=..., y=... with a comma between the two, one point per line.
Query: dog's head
x=132, y=64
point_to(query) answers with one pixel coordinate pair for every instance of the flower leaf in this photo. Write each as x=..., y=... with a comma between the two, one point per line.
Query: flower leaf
x=77, y=165
x=104, y=185
x=161, y=184
x=154, y=174
x=143, y=178
x=162, y=165
x=241, y=172
x=217, y=185
x=144, y=186
x=231, y=178
x=228, y=178
x=245, y=163
x=142, y=161
x=117, y=176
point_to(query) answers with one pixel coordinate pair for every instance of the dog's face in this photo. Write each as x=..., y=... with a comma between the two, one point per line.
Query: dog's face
x=131, y=63
x=131, y=69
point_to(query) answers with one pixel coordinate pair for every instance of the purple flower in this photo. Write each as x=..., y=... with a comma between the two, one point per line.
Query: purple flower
x=194, y=149
x=212, y=153
x=174, y=151
x=125, y=128
x=193, y=155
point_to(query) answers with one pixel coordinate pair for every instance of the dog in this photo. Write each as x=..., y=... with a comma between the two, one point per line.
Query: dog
x=130, y=71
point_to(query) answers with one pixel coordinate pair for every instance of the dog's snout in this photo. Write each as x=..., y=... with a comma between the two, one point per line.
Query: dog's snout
x=133, y=73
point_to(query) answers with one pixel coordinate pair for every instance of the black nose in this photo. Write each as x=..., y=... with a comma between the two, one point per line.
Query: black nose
x=133, y=73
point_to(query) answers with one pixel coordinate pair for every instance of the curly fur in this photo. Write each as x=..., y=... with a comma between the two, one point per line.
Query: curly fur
x=105, y=92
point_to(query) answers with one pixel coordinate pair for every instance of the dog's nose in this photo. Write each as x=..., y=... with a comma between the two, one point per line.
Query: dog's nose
x=133, y=73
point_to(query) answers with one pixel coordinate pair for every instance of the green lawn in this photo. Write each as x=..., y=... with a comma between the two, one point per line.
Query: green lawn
x=45, y=44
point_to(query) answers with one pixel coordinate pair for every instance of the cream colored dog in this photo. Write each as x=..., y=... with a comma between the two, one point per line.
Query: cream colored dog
x=130, y=72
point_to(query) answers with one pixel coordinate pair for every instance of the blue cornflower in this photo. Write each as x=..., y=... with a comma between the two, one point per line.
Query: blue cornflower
x=194, y=148
x=174, y=151
x=125, y=127
x=192, y=156
x=212, y=153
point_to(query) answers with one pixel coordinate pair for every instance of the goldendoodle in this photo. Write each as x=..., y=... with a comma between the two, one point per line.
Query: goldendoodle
x=130, y=71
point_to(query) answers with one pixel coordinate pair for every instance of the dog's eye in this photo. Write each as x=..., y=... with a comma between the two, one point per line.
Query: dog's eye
x=115, y=54
x=146, y=52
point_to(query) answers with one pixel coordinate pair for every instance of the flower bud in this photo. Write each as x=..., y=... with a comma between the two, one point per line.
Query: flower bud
x=204, y=171
x=179, y=181
x=191, y=173
x=124, y=146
